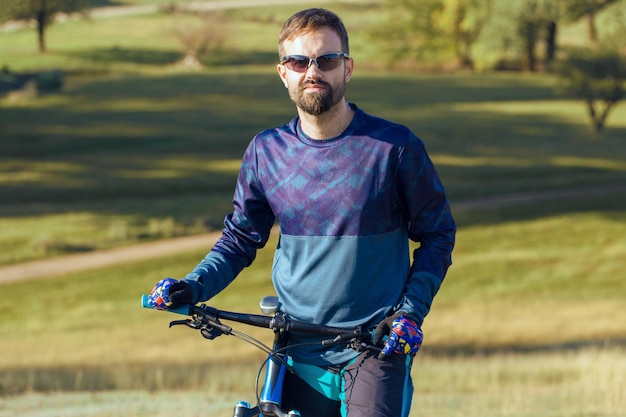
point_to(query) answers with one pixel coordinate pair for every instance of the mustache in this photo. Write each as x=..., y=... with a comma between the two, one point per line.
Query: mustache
x=315, y=82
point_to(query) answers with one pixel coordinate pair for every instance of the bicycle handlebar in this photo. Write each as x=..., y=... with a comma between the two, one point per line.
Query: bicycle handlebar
x=206, y=319
x=275, y=322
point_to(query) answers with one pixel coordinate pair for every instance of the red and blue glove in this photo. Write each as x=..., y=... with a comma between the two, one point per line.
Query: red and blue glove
x=170, y=292
x=404, y=336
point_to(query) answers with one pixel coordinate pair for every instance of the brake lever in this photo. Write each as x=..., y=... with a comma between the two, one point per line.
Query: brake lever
x=189, y=323
x=354, y=340
x=215, y=329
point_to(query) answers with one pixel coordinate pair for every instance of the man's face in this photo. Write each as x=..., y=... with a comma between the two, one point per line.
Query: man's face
x=315, y=91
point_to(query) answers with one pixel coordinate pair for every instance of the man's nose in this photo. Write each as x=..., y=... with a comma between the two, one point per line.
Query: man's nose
x=313, y=69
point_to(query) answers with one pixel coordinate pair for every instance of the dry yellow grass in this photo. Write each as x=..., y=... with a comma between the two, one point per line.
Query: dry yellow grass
x=586, y=382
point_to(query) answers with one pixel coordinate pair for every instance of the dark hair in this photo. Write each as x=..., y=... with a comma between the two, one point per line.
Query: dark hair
x=310, y=20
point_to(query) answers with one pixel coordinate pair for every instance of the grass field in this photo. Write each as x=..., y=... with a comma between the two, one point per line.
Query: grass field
x=574, y=384
x=530, y=320
x=523, y=326
x=145, y=151
x=117, y=160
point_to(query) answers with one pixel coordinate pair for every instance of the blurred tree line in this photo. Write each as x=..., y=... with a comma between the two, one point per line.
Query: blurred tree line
x=519, y=35
x=474, y=35
x=493, y=34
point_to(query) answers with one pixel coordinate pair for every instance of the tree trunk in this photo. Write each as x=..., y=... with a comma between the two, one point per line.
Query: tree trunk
x=463, y=55
x=592, y=32
x=605, y=113
x=41, y=31
x=530, y=54
x=551, y=43
x=530, y=42
x=596, y=123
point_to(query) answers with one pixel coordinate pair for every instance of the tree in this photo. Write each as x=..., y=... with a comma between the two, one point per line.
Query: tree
x=430, y=29
x=535, y=20
x=596, y=77
x=551, y=36
x=409, y=31
x=588, y=9
x=43, y=12
x=516, y=30
x=463, y=21
x=207, y=35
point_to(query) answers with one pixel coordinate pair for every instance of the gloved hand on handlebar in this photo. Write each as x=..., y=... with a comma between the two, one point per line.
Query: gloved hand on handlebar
x=405, y=337
x=170, y=292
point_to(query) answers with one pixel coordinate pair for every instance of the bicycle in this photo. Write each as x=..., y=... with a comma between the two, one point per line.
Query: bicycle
x=206, y=319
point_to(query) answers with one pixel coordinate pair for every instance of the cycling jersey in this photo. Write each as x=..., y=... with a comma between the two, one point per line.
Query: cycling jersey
x=347, y=208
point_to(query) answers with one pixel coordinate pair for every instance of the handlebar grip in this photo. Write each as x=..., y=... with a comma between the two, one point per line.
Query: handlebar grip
x=184, y=309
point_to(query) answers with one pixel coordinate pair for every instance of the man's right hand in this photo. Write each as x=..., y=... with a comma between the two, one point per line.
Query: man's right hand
x=169, y=293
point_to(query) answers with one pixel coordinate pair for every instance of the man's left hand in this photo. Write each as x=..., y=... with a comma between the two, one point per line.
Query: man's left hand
x=405, y=337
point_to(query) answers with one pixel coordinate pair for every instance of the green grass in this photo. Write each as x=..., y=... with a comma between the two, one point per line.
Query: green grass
x=529, y=322
x=151, y=156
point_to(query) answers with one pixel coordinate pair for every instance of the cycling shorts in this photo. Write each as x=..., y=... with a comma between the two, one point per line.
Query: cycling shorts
x=364, y=387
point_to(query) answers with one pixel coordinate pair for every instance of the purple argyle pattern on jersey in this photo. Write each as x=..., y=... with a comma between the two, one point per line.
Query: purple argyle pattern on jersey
x=345, y=186
x=347, y=208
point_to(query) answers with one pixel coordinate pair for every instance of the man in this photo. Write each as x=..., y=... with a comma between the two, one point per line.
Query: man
x=348, y=190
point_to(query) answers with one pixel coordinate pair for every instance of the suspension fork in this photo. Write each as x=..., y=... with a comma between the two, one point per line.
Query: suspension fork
x=271, y=396
x=272, y=392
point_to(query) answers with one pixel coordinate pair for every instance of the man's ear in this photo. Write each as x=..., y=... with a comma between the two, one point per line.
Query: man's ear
x=282, y=73
x=349, y=69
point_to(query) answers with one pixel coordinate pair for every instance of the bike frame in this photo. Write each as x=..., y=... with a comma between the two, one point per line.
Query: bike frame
x=207, y=320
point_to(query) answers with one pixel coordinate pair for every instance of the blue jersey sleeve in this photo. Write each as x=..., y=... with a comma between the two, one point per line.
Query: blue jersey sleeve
x=246, y=230
x=430, y=224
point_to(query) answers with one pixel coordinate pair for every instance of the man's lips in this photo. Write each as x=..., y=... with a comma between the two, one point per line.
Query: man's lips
x=315, y=86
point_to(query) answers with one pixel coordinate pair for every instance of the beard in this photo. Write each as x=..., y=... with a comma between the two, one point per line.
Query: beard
x=318, y=102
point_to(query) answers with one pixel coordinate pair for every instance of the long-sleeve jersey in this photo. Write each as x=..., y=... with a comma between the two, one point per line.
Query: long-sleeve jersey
x=346, y=208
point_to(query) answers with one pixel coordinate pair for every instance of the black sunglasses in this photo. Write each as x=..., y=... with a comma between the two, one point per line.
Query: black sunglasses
x=326, y=62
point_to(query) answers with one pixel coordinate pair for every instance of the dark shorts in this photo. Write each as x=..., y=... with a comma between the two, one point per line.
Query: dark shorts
x=370, y=388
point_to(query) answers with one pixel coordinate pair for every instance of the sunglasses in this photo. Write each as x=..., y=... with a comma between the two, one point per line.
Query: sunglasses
x=326, y=62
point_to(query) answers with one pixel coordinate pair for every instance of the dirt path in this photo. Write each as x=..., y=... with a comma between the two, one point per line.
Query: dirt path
x=48, y=268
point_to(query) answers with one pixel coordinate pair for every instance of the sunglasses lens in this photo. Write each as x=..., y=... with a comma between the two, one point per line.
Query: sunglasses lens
x=297, y=64
x=329, y=62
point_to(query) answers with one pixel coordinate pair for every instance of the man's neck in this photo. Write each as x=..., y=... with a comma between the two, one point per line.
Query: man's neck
x=329, y=124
